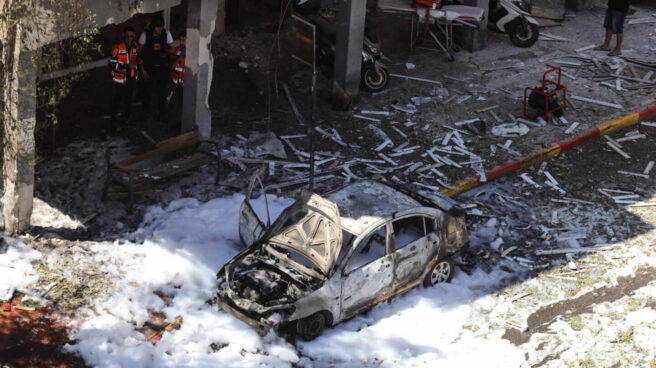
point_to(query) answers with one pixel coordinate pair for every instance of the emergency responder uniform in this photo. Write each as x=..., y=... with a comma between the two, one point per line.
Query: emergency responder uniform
x=123, y=63
x=179, y=72
x=155, y=55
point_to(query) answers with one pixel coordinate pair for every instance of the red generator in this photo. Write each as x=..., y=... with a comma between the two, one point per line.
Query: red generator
x=544, y=98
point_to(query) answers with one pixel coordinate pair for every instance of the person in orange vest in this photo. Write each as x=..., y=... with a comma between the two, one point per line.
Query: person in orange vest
x=179, y=69
x=124, y=64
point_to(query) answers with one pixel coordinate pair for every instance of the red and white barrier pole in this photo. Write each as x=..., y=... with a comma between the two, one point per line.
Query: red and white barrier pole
x=592, y=134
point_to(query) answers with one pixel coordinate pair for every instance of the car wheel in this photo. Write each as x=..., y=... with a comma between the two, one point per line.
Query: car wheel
x=309, y=328
x=442, y=271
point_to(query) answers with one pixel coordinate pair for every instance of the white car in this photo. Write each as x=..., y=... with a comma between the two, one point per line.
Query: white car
x=326, y=259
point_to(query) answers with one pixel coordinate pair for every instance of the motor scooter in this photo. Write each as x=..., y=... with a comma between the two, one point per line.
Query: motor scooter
x=514, y=18
x=374, y=74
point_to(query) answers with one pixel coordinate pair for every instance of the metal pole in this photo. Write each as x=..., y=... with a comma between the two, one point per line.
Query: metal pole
x=311, y=127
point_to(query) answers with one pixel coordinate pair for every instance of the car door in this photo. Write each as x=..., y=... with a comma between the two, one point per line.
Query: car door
x=251, y=229
x=415, y=245
x=368, y=274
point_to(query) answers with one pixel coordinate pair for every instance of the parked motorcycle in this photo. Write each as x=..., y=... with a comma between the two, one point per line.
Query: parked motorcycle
x=513, y=17
x=374, y=74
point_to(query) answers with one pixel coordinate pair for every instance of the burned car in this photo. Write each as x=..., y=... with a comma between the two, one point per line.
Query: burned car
x=326, y=259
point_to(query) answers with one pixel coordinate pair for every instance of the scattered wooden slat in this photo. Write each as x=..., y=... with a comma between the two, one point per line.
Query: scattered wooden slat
x=619, y=150
x=415, y=78
x=596, y=102
x=632, y=174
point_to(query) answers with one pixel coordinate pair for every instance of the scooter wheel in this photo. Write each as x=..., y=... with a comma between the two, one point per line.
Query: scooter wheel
x=451, y=58
x=374, y=81
x=523, y=36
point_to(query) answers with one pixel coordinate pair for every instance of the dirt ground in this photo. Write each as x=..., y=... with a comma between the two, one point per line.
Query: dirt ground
x=71, y=180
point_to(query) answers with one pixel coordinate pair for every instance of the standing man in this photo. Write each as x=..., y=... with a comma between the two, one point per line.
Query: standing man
x=179, y=70
x=123, y=63
x=614, y=24
x=156, y=50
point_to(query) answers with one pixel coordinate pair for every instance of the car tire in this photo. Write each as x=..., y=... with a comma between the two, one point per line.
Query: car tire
x=522, y=36
x=309, y=328
x=442, y=271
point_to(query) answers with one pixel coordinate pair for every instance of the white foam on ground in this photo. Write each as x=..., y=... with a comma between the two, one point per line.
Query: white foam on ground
x=185, y=244
x=16, y=271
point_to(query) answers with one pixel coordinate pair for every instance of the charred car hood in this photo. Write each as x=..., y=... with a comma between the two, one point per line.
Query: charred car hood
x=311, y=227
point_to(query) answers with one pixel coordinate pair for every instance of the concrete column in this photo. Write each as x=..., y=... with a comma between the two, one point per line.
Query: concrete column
x=19, y=121
x=348, y=55
x=220, y=26
x=201, y=19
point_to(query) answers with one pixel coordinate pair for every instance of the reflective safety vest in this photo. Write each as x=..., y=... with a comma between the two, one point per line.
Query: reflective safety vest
x=121, y=60
x=435, y=4
x=179, y=71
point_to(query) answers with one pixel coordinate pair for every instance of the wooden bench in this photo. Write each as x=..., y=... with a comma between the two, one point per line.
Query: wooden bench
x=133, y=178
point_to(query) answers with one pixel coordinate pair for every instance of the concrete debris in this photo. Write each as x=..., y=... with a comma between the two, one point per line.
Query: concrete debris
x=387, y=142
x=415, y=78
x=642, y=21
x=387, y=159
x=525, y=121
x=496, y=117
x=404, y=109
x=465, y=122
x=510, y=130
x=293, y=136
x=553, y=183
x=617, y=149
x=631, y=138
x=632, y=174
x=271, y=146
x=423, y=100
x=487, y=109
x=399, y=132
x=366, y=118
x=370, y=112
x=597, y=102
x=586, y=48
x=530, y=181
x=550, y=37
x=462, y=99
x=596, y=248
x=571, y=128
x=510, y=151
x=448, y=100
x=401, y=147
x=570, y=63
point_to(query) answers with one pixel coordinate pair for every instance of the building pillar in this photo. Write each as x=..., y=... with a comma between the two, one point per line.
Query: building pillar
x=201, y=19
x=348, y=54
x=19, y=121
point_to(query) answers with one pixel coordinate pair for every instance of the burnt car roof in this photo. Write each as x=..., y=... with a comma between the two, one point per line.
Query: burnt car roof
x=365, y=202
